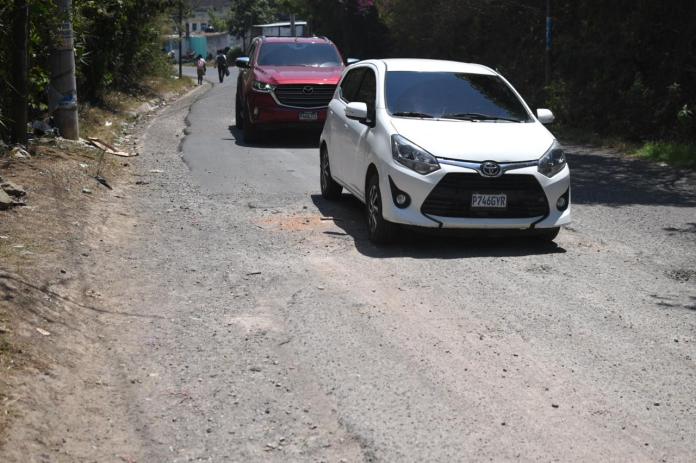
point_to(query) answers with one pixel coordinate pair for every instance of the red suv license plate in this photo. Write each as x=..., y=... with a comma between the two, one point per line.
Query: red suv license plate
x=309, y=116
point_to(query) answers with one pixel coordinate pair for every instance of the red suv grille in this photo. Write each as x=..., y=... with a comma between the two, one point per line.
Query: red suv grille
x=305, y=96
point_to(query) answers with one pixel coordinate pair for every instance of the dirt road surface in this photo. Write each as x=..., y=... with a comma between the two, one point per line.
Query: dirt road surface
x=243, y=318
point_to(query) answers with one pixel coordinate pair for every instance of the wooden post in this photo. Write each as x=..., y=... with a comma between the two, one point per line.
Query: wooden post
x=20, y=66
x=549, y=42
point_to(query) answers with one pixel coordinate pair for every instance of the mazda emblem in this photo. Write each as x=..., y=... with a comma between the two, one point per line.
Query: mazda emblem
x=307, y=90
x=490, y=169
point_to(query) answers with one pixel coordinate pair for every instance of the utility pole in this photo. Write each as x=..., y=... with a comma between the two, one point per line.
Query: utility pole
x=549, y=42
x=63, y=91
x=181, y=23
x=293, y=29
x=20, y=57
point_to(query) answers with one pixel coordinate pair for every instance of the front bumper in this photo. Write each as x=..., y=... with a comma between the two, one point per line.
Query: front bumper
x=419, y=187
x=264, y=111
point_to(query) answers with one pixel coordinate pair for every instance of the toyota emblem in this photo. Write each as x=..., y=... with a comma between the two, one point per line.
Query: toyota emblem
x=307, y=90
x=490, y=169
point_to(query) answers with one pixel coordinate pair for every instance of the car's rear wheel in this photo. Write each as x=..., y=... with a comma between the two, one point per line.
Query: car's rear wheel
x=329, y=188
x=380, y=231
x=547, y=234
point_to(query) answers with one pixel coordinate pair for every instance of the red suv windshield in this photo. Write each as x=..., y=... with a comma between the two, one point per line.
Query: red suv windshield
x=299, y=54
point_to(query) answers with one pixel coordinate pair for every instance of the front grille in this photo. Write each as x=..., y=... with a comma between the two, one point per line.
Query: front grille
x=452, y=196
x=299, y=96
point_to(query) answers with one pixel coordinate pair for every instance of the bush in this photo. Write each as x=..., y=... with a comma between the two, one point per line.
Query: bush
x=677, y=154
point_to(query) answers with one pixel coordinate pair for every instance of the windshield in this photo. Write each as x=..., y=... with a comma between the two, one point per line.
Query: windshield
x=299, y=54
x=452, y=95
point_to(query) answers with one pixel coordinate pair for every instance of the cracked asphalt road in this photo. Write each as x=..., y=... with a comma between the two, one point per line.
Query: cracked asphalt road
x=270, y=329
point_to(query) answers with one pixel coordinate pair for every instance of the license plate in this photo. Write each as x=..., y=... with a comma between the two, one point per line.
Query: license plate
x=489, y=201
x=309, y=116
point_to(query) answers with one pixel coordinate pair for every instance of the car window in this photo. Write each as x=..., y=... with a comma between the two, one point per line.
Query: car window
x=299, y=54
x=351, y=84
x=252, y=50
x=368, y=89
x=453, y=94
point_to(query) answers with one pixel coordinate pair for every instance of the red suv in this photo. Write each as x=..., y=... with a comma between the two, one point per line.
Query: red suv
x=286, y=82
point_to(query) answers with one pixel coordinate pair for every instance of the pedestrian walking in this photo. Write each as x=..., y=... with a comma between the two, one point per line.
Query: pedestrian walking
x=222, y=67
x=200, y=69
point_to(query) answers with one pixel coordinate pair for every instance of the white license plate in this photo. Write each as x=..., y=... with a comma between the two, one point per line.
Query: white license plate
x=488, y=201
x=309, y=116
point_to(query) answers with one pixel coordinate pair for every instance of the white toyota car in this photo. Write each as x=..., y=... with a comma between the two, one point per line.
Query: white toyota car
x=442, y=144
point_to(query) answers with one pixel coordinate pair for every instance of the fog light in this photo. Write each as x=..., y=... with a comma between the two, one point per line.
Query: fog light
x=563, y=201
x=401, y=199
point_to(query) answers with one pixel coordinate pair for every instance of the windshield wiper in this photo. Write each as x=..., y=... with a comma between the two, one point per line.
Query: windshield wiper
x=413, y=114
x=478, y=117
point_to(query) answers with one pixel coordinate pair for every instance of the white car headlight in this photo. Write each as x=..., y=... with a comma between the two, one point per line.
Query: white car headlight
x=553, y=161
x=262, y=87
x=413, y=156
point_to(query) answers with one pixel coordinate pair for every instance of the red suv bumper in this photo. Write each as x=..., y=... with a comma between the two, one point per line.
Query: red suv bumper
x=263, y=111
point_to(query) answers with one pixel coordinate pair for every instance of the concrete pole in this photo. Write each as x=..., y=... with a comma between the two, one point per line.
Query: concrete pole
x=63, y=92
x=19, y=79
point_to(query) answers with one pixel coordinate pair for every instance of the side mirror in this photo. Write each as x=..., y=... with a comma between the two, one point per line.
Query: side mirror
x=357, y=111
x=350, y=61
x=545, y=116
x=242, y=62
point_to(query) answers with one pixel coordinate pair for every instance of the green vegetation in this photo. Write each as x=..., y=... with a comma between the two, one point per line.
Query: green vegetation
x=622, y=69
x=118, y=44
x=676, y=154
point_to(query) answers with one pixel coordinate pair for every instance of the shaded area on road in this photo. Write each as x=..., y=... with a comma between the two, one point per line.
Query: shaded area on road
x=348, y=214
x=615, y=181
x=278, y=138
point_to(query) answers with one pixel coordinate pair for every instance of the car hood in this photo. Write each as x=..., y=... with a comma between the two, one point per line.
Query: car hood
x=477, y=141
x=280, y=75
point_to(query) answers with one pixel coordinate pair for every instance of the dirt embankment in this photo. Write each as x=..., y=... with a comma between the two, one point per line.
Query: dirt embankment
x=47, y=305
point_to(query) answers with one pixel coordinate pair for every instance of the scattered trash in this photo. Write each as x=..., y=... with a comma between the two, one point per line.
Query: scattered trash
x=43, y=128
x=156, y=171
x=253, y=273
x=102, y=145
x=142, y=182
x=43, y=332
x=335, y=219
x=83, y=165
x=108, y=124
x=19, y=153
x=4, y=237
x=103, y=181
x=4, y=329
x=87, y=191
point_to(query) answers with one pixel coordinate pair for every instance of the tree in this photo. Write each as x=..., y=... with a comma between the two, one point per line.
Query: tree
x=245, y=13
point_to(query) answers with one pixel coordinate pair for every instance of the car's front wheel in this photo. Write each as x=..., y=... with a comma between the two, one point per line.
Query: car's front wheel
x=238, y=114
x=330, y=189
x=380, y=231
x=547, y=234
x=250, y=131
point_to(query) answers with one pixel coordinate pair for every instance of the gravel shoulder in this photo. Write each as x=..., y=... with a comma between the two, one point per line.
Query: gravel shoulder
x=237, y=316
